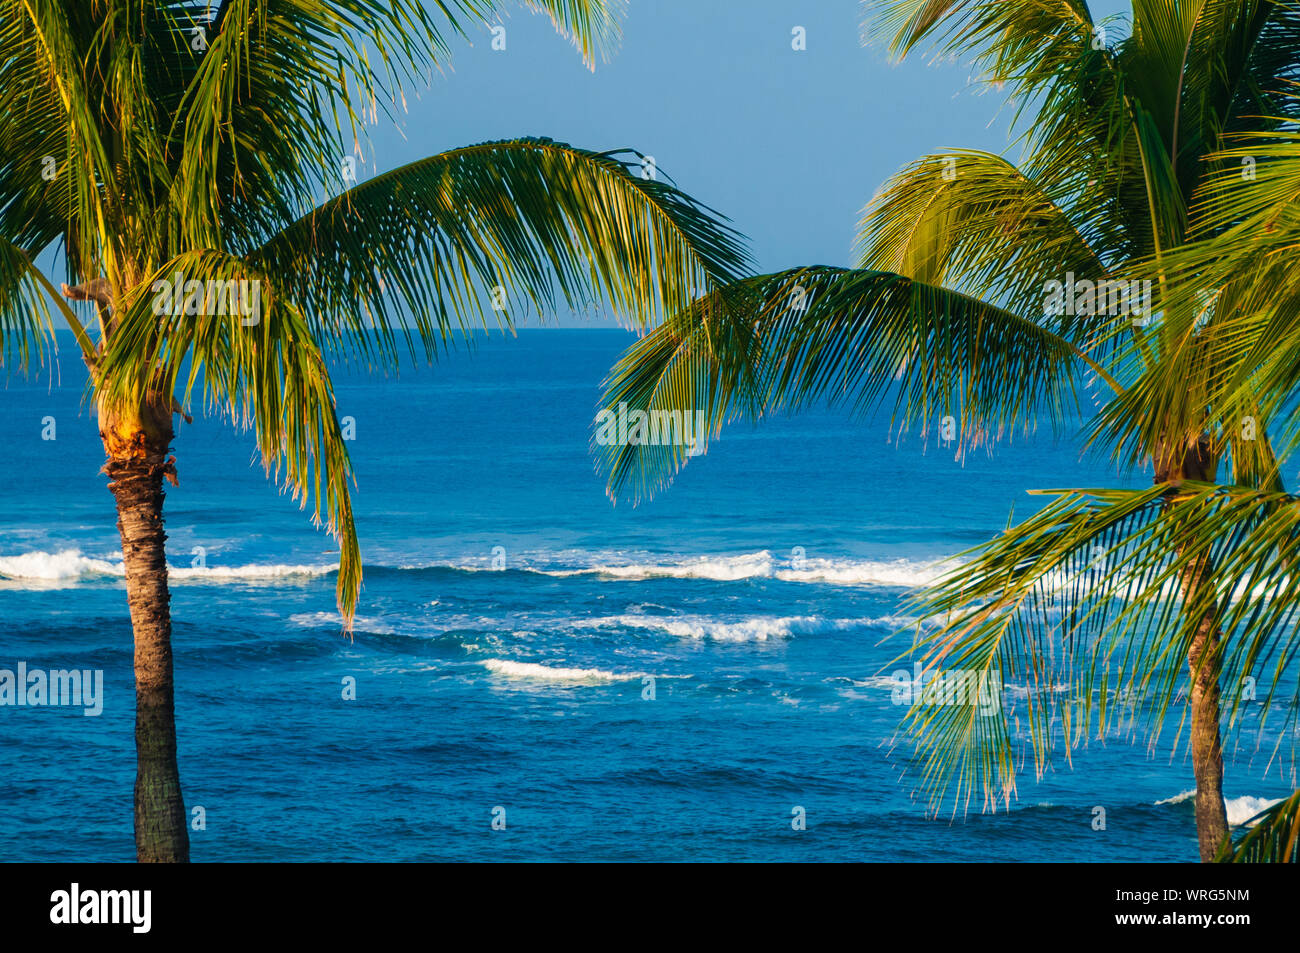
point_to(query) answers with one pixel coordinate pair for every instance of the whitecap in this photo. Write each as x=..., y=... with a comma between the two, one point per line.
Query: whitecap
x=751, y=629
x=67, y=564
x=42, y=569
x=547, y=673
x=1240, y=809
x=896, y=573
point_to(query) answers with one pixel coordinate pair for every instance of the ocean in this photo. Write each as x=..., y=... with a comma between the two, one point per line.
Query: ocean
x=537, y=674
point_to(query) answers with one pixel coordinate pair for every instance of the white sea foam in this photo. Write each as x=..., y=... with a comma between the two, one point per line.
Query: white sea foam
x=898, y=622
x=751, y=629
x=719, y=568
x=253, y=571
x=71, y=565
x=1240, y=809
x=547, y=673
x=41, y=569
x=901, y=573
x=871, y=681
x=67, y=564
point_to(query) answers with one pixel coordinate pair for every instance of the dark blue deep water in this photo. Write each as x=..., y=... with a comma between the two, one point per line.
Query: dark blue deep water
x=522, y=687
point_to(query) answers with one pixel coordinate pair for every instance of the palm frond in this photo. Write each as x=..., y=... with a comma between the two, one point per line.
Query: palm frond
x=971, y=221
x=1089, y=608
x=594, y=26
x=856, y=339
x=437, y=245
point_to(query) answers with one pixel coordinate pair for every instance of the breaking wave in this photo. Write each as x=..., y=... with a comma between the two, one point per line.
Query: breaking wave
x=547, y=673
x=41, y=569
x=1240, y=809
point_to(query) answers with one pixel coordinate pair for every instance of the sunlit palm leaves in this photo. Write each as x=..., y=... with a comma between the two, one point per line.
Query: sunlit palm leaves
x=1082, y=605
x=859, y=339
x=523, y=219
x=947, y=219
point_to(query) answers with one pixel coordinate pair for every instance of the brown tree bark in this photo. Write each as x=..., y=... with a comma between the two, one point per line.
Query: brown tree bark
x=137, y=445
x=1207, y=751
x=1197, y=462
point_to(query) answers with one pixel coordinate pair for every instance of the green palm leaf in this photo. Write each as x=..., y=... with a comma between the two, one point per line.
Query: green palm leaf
x=858, y=339
x=503, y=224
x=1085, y=607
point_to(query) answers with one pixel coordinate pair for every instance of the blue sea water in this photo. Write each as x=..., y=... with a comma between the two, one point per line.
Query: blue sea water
x=765, y=592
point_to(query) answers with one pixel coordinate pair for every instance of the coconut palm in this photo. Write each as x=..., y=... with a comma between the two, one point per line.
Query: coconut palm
x=998, y=292
x=196, y=164
x=1245, y=277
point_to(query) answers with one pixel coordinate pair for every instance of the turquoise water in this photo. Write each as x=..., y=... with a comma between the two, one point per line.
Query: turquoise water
x=513, y=624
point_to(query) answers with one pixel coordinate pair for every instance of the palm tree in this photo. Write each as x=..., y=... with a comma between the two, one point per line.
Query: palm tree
x=191, y=160
x=984, y=291
x=1243, y=274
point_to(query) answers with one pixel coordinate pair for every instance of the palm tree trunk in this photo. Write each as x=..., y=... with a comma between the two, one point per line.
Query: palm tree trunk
x=136, y=468
x=1207, y=753
x=1198, y=463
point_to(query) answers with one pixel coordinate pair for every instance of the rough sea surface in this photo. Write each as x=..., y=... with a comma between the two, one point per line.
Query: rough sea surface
x=512, y=625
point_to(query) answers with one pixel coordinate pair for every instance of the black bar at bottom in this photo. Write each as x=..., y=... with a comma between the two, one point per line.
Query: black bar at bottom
x=337, y=902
